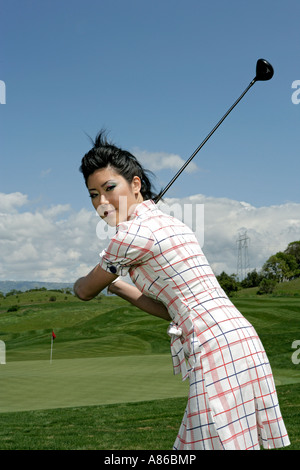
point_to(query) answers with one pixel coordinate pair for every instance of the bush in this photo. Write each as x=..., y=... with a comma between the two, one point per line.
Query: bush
x=13, y=308
x=228, y=283
x=266, y=286
x=253, y=279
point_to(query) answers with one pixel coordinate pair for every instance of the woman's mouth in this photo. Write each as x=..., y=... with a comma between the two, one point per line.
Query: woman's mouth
x=104, y=212
x=107, y=213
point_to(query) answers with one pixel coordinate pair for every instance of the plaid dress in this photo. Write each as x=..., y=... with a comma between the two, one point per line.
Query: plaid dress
x=232, y=402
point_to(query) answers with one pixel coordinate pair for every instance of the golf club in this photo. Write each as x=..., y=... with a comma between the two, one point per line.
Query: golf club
x=264, y=71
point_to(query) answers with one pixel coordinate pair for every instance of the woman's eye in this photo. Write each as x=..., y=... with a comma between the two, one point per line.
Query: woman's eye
x=92, y=196
x=111, y=187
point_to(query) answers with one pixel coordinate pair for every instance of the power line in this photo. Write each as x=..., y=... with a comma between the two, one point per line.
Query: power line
x=243, y=265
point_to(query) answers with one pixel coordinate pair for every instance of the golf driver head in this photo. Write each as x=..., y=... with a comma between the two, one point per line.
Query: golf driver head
x=264, y=70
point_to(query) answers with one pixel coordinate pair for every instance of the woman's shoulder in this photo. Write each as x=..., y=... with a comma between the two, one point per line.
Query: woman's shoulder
x=135, y=232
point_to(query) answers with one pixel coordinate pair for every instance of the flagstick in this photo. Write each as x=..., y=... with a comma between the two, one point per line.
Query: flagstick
x=51, y=349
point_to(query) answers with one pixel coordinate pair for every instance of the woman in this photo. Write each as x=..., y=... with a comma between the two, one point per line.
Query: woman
x=232, y=400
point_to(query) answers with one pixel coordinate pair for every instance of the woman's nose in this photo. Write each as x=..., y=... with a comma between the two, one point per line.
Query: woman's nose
x=103, y=199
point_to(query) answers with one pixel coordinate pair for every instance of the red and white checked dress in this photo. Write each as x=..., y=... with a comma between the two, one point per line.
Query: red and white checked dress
x=232, y=401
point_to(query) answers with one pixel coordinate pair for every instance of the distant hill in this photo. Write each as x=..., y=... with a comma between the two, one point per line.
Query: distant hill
x=8, y=286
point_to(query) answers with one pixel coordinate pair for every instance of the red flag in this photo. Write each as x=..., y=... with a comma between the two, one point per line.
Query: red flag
x=53, y=335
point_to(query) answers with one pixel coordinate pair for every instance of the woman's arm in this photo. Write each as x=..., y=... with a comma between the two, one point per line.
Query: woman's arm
x=135, y=297
x=87, y=287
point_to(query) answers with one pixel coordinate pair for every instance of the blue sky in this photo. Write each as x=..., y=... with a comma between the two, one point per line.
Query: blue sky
x=158, y=75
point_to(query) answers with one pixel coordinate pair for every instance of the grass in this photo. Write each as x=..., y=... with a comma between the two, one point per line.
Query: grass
x=282, y=289
x=110, y=385
x=121, y=427
x=105, y=327
x=36, y=385
x=148, y=425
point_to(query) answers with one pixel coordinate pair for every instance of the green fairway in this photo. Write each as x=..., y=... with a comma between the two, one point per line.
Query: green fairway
x=111, y=366
x=36, y=385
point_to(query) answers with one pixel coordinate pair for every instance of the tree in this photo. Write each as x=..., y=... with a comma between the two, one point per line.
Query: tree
x=294, y=250
x=266, y=286
x=252, y=279
x=280, y=267
x=228, y=283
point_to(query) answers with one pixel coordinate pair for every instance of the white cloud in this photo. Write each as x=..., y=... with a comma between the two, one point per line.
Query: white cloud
x=45, y=173
x=49, y=244
x=155, y=161
x=59, y=244
x=269, y=229
x=10, y=202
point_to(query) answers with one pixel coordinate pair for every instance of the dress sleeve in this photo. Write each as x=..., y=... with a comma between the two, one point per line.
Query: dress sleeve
x=131, y=246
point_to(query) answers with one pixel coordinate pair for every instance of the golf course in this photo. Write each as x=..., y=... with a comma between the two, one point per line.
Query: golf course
x=105, y=380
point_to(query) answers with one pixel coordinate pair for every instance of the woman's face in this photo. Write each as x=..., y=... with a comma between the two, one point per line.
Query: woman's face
x=112, y=196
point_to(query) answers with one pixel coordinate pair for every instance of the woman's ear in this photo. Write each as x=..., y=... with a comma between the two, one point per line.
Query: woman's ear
x=136, y=184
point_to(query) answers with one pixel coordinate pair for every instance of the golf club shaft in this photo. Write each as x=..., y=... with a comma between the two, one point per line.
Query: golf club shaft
x=161, y=194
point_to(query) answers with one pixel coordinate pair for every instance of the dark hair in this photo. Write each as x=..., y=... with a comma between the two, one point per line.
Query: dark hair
x=104, y=154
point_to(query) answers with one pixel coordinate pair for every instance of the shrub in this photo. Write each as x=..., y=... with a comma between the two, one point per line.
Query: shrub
x=266, y=286
x=13, y=308
x=228, y=283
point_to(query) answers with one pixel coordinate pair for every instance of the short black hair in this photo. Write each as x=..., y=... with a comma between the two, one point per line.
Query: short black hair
x=105, y=154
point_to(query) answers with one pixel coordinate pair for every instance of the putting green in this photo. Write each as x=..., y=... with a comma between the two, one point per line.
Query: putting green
x=286, y=376
x=33, y=385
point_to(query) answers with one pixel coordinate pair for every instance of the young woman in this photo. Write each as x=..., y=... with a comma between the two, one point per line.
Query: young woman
x=232, y=401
